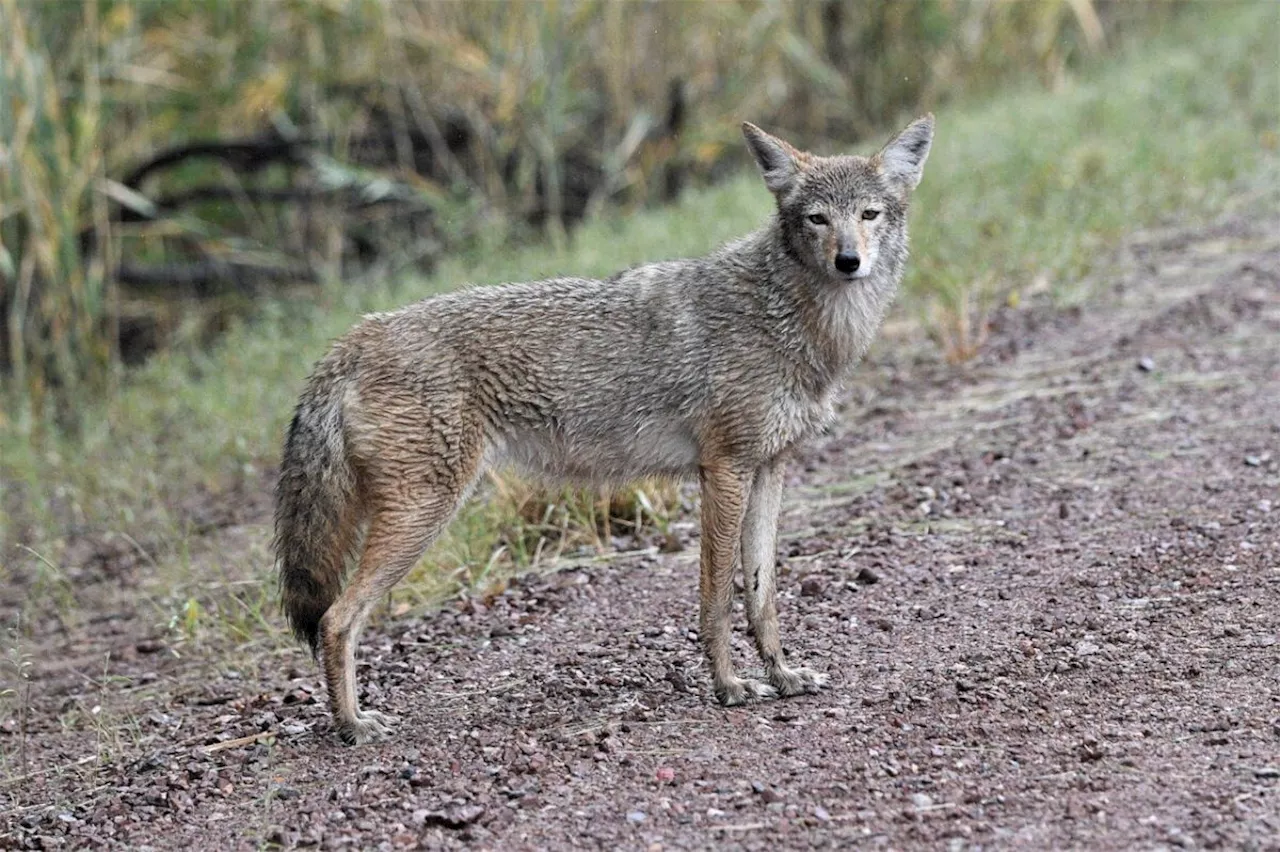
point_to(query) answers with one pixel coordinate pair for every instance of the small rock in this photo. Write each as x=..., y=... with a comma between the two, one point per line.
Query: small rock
x=1091, y=750
x=455, y=818
x=676, y=678
x=1250, y=460
x=282, y=792
x=812, y=587
x=921, y=801
x=769, y=795
x=665, y=775
x=1086, y=649
x=1267, y=772
x=1146, y=364
x=866, y=577
x=636, y=816
x=821, y=813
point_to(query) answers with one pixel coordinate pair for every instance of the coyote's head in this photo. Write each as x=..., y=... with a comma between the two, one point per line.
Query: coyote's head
x=845, y=216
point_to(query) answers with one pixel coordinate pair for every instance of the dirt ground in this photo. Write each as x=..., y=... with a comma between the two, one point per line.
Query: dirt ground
x=1046, y=588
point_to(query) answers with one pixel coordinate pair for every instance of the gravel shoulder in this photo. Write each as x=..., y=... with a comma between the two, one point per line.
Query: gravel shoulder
x=1046, y=588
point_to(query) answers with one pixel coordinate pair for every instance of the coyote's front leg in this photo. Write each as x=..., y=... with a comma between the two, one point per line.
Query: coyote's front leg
x=759, y=562
x=724, y=496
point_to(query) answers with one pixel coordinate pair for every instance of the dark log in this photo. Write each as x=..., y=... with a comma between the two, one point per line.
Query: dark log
x=207, y=279
x=259, y=195
x=246, y=155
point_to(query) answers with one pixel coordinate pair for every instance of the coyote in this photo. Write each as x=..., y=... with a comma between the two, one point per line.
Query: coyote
x=713, y=367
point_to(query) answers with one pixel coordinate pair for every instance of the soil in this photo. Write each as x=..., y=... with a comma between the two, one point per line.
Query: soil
x=1046, y=587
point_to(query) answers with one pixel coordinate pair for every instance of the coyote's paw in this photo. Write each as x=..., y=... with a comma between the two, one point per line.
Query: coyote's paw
x=801, y=681
x=369, y=726
x=737, y=691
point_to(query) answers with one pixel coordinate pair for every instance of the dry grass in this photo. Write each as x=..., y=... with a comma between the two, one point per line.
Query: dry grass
x=56, y=335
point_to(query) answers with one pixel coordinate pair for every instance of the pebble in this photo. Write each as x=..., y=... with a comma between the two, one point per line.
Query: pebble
x=1086, y=649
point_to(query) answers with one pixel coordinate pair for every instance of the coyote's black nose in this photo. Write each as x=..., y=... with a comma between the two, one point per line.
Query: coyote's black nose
x=847, y=263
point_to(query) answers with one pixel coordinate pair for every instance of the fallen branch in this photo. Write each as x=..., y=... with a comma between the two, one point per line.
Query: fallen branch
x=246, y=155
x=207, y=279
x=237, y=742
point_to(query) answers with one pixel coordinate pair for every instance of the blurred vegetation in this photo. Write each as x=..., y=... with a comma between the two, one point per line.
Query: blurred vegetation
x=158, y=154
x=53, y=293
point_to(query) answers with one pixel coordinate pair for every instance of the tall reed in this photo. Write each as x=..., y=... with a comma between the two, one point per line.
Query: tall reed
x=57, y=332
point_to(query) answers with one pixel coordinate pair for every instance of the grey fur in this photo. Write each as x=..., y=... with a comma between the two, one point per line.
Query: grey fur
x=711, y=367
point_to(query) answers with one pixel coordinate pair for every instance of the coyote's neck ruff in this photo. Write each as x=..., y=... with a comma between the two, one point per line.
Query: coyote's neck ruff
x=712, y=367
x=828, y=324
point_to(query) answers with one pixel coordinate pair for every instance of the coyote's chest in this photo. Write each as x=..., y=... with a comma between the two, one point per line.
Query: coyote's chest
x=798, y=416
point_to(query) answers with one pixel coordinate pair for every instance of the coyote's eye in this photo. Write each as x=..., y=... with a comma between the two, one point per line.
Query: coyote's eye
x=817, y=219
x=870, y=214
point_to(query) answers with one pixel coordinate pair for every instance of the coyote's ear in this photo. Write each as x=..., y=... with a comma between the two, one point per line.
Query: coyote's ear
x=778, y=161
x=902, y=160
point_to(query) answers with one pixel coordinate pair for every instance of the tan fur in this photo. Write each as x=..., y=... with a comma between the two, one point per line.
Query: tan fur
x=712, y=367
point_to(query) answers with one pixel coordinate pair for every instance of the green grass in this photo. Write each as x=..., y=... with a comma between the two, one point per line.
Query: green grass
x=1024, y=192
x=1028, y=191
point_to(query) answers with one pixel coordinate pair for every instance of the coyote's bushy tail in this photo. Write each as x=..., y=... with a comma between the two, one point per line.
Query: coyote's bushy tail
x=317, y=515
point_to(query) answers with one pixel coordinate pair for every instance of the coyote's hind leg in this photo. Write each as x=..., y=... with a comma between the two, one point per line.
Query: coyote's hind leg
x=407, y=519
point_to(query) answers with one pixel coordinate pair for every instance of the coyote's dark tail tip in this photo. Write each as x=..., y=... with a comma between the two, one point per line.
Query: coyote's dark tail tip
x=316, y=516
x=305, y=604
